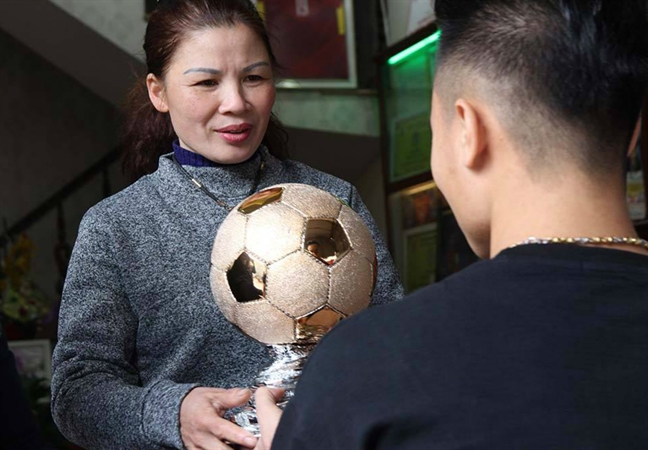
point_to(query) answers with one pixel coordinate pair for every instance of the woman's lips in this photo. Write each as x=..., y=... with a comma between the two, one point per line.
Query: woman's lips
x=235, y=133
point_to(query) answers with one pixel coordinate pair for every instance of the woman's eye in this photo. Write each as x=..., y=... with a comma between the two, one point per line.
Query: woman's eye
x=254, y=78
x=207, y=83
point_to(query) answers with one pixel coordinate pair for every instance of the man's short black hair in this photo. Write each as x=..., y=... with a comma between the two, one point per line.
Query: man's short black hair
x=575, y=65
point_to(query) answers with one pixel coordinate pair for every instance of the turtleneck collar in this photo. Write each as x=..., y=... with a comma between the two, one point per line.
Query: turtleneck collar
x=224, y=180
x=189, y=158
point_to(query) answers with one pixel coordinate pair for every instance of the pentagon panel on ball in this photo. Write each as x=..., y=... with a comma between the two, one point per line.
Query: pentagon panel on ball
x=311, y=327
x=326, y=240
x=247, y=278
x=260, y=199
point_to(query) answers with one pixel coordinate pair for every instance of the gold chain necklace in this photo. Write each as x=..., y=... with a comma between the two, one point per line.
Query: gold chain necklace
x=210, y=194
x=608, y=240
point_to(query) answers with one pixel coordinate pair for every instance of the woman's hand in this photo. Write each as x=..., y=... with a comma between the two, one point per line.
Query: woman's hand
x=202, y=426
x=268, y=414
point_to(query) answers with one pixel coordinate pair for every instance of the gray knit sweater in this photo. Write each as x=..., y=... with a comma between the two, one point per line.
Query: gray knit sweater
x=138, y=326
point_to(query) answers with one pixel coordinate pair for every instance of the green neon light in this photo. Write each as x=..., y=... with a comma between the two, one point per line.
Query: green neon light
x=414, y=48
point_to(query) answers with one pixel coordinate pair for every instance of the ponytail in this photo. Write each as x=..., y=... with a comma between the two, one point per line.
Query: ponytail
x=276, y=138
x=147, y=134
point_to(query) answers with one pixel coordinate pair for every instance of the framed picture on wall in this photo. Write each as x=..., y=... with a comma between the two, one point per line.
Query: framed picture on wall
x=419, y=254
x=314, y=41
x=410, y=145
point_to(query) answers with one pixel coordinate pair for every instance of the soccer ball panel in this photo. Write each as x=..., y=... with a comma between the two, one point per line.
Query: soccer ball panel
x=247, y=278
x=326, y=240
x=265, y=323
x=260, y=199
x=357, y=232
x=222, y=294
x=230, y=241
x=274, y=232
x=297, y=284
x=311, y=201
x=313, y=326
x=351, y=284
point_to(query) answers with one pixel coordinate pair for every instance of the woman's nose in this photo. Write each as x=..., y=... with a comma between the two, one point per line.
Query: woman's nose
x=233, y=100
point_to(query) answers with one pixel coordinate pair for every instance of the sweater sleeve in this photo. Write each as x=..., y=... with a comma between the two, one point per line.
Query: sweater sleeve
x=98, y=401
x=388, y=285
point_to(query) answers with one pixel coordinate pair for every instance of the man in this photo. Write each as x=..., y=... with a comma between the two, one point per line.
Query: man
x=541, y=345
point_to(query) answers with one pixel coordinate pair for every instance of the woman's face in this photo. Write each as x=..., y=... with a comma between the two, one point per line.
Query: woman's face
x=219, y=91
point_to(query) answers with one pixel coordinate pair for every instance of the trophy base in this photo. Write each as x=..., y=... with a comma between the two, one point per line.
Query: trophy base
x=283, y=372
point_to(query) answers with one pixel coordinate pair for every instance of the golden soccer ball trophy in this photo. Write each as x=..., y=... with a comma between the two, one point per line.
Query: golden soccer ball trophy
x=288, y=263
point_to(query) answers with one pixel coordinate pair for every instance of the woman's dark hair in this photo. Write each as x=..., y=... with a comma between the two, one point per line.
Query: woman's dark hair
x=148, y=133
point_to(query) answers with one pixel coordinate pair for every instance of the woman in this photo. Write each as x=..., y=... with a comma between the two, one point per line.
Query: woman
x=145, y=360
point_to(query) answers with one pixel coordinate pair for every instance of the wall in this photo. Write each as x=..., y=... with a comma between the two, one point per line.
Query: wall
x=51, y=129
x=406, y=16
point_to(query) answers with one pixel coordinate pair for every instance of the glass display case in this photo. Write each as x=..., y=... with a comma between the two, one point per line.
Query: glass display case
x=424, y=237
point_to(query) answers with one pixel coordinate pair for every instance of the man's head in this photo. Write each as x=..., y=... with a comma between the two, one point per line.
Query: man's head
x=559, y=81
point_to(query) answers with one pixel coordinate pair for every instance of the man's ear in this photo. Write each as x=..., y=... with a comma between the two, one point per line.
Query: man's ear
x=473, y=134
x=635, y=137
x=156, y=93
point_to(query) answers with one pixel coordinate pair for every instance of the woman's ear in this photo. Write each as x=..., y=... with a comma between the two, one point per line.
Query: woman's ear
x=473, y=134
x=156, y=93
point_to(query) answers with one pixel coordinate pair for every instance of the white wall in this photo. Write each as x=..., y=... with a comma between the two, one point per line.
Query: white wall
x=406, y=16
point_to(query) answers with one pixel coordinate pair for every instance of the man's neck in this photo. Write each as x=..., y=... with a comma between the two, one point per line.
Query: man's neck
x=572, y=206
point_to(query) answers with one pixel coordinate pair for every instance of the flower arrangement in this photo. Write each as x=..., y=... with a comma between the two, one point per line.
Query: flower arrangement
x=21, y=301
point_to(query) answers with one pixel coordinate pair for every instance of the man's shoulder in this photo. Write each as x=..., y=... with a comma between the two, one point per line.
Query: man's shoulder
x=382, y=328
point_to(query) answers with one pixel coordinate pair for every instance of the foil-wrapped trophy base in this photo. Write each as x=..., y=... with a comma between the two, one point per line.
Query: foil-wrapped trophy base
x=287, y=363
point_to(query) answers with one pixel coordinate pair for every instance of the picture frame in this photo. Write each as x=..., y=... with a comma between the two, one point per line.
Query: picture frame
x=420, y=256
x=33, y=358
x=314, y=42
x=409, y=152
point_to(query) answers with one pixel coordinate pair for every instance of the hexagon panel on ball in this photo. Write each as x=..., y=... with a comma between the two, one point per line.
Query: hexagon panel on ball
x=351, y=284
x=262, y=321
x=311, y=201
x=222, y=293
x=298, y=284
x=274, y=231
x=358, y=233
x=230, y=240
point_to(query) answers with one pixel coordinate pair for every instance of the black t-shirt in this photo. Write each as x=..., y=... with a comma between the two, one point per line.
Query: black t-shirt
x=543, y=347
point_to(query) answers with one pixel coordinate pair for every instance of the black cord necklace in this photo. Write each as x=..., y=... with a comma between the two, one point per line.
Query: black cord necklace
x=219, y=202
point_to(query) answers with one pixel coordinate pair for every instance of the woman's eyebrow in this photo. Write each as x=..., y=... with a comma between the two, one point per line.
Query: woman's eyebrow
x=202, y=69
